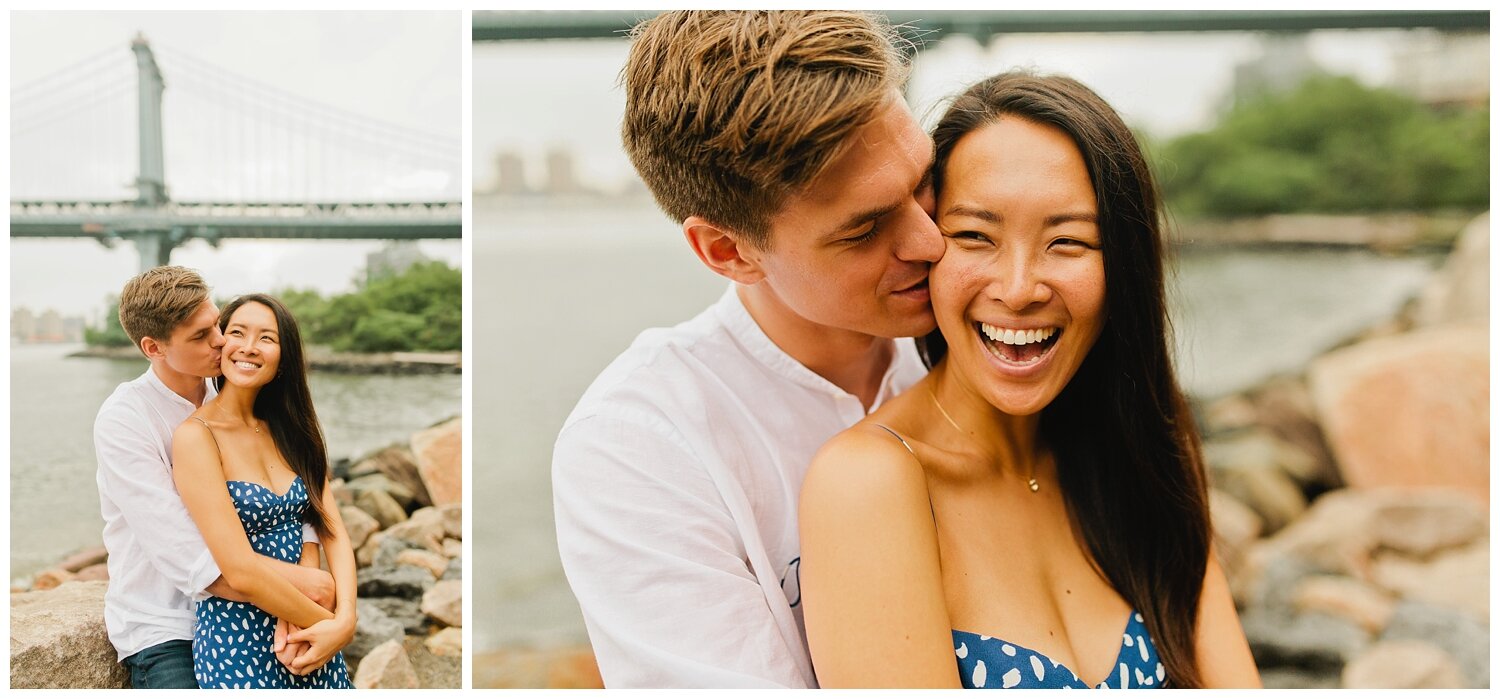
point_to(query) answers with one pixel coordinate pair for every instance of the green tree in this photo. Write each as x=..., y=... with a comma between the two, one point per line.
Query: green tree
x=109, y=333
x=1332, y=145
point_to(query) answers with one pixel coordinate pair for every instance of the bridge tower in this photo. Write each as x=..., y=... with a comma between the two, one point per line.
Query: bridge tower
x=154, y=246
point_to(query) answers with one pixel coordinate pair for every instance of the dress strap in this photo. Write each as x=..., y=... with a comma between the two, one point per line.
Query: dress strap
x=203, y=422
x=897, y=436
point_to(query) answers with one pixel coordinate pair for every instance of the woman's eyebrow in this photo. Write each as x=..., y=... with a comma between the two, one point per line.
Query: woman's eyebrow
x=972, y=212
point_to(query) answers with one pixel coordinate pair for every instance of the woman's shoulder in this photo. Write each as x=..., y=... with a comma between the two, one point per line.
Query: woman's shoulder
x=866, y=464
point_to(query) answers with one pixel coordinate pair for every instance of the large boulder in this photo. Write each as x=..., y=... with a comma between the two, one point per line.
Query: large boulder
x=439, y=452
x=381, y=507
x=1404, y=665
x=1461, y=289
x=406, y=611
x=373, y=628
x=553, y=668
x=423, y=529
x=434, y=670
x=1462, y=637
x=378, y=481
x=1458, y=579
x=445, y=602
x=386, y=667
x=401, y=581
x=449, y=641
x=1254, y=467
x=1410, y=410
x=358, y=525
x=85, y=558
x=423, y=558
x=399, y=465
x=58, y=640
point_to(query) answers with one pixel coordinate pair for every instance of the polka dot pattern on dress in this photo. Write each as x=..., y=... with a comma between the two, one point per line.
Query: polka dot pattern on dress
x=1136, y=664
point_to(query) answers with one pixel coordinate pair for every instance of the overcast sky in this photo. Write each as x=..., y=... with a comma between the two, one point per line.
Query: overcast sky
x=403, y=69
x=530, y=97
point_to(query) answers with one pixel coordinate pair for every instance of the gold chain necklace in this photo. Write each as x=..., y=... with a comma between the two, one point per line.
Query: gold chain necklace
x=1030, y=479
x=256, y=425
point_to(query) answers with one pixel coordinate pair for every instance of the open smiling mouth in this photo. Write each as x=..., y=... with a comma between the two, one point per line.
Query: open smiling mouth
x=1018, y=347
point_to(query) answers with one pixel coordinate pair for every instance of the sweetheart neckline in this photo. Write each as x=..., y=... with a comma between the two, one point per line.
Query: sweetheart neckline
x=268, y=488
x=1124, y=633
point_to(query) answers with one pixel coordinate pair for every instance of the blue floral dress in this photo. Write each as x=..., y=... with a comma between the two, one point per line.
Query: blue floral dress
x=232, y=644
x=985, y=661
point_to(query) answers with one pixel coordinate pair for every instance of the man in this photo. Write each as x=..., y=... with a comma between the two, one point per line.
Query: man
x=159, y=565
x=781, y=142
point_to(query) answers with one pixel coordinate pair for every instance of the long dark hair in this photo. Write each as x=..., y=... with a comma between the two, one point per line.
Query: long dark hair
x=1128, y=456
x=286, y=406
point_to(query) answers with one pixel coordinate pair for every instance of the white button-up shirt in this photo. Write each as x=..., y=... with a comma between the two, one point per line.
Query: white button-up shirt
x=675, y=484
x=158, y=562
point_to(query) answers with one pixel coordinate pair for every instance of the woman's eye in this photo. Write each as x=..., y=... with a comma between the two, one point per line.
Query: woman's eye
x=969, y=235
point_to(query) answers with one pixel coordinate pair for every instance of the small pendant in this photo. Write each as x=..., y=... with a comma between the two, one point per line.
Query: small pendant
x=1032, y=484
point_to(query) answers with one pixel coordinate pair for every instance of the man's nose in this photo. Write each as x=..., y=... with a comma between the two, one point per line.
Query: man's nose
x=922, y=242
x=217, y=340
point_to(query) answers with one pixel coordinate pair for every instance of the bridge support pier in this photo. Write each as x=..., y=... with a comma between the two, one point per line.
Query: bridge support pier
x=154, y=247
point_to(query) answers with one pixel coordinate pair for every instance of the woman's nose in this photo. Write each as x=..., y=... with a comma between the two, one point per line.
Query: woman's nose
x=1021, y=286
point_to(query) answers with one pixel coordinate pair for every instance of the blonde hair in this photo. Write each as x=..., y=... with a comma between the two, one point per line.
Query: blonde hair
x=728, y=113
x=156, y=301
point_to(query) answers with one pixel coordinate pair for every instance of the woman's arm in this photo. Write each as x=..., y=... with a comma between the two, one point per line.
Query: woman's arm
x=199, y=477
x=871, y=585
x=1224, y=658
x=328, y=637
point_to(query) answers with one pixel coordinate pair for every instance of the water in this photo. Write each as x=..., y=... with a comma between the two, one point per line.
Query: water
x=54, y=500
x=566, y=292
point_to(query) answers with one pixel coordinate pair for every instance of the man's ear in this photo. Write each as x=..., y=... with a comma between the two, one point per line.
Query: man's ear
x=725, y=254
x=151, y=348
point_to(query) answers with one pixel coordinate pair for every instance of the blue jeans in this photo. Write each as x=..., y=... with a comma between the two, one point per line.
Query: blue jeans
x=163, y=666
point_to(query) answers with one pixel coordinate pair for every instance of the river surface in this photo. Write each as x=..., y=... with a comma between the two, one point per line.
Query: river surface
x=560, y=292
x=53, y=399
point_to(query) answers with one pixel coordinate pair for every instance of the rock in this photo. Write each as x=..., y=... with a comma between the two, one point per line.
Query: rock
x=424, y=529
x=58, y=640
x=1457, y=580
x=358, y=524
x=556, y=668
x=1285, y=408
x=1460, y=290
x=1312, y=641
x=1409, y=411
x=378, y=481
x=455, y=569
x=381, y=507
x=1335, y=535
x=339, y=468
x=453, y=521
x=397, y=464
x=452, y=548
x=406, y=611
x=386, y=667
x=389, y=550
x=51, y=578
x=374, y=628
x=1236, y=527
x=1404, y=665
x=365, y=555
x=1253, y=467
x=1269, y=579
x=444, y=602
x=1229, y=414
x=449, y=641
x=1424, y=523
x=1291, y=677
x=98, y=571
x=439, y=453
x=84, y=559
x=434, y=670
x=1466, y=640
x=402, y=581
x=422, y=558
x=342, y=496
x=1359, y=602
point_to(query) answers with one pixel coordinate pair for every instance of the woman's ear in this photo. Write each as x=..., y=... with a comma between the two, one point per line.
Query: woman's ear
x=726, y=253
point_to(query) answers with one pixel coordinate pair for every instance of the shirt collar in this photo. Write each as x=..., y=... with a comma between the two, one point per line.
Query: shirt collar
x=748, y=333
x=166, y=393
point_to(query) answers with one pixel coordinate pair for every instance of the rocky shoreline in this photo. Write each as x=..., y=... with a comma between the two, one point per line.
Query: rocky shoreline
x=324, y=359
x=402, y=507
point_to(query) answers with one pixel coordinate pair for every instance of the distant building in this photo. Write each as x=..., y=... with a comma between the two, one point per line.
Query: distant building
x=1445, y=68
x=560, y=176
x=1284, y=64
x=22, y=325
x=49, y=328
x=510, y=174
x=396, y=257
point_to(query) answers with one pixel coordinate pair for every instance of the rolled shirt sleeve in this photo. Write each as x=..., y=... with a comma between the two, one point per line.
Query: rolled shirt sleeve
x=658, y=566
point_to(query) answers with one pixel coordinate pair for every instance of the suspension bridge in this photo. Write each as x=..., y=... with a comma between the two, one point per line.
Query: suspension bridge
x=90, y=157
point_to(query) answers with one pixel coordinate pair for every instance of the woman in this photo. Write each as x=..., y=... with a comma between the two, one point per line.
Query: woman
x=1033, y=513
x=251, y=467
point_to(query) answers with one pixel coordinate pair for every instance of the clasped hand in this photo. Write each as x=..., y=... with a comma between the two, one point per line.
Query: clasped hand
x=303, y=651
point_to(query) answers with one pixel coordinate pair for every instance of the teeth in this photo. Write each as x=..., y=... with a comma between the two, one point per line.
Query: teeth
x=1016, y=337
x=247, y=365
